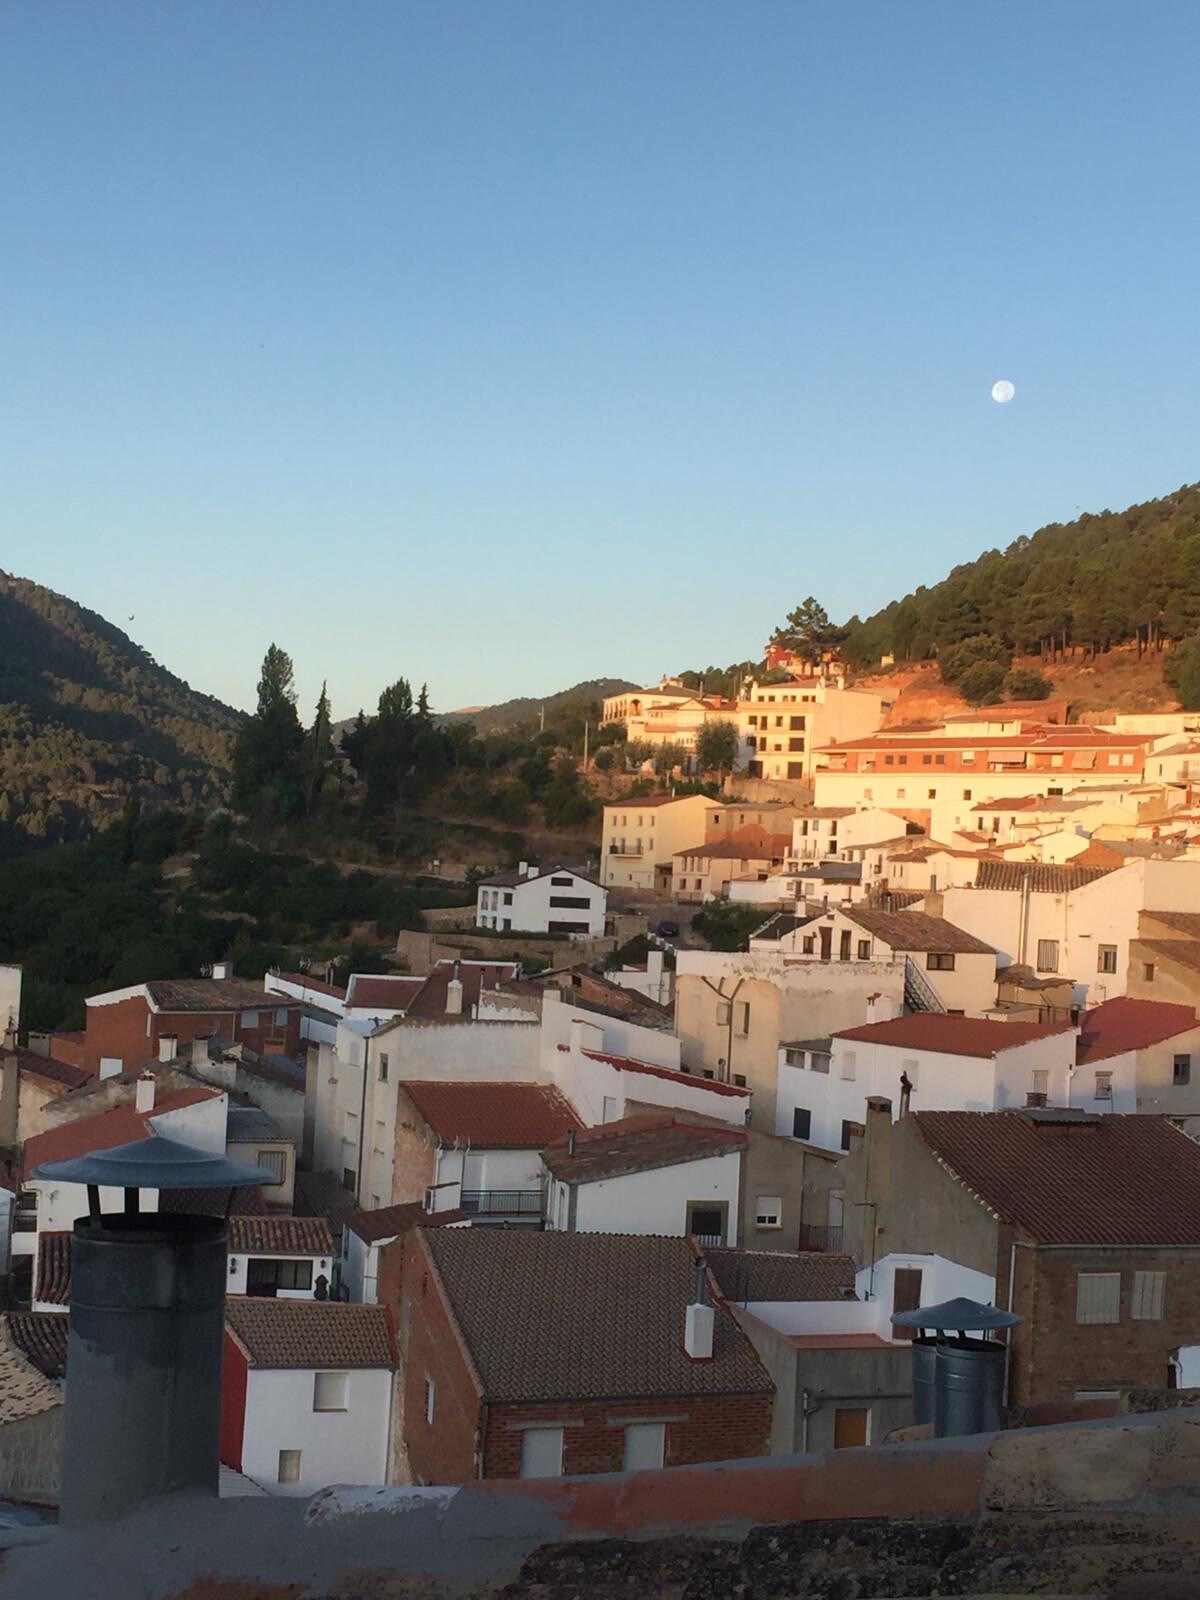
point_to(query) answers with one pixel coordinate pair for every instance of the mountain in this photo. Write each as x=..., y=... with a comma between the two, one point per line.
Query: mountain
x=512, y=713
x=88, y=719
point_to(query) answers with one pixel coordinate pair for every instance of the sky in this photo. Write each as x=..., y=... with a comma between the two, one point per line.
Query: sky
x=501, y=344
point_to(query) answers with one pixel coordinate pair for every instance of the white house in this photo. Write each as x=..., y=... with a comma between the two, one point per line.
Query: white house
x=937, y=1063
x=307, y=1393
x=652, y=978
x=367, y=1234
x=287, y=1258
x=542, y=900
x=652, y=1174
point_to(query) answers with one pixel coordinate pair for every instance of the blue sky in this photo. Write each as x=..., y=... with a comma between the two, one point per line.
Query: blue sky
x=505, y=344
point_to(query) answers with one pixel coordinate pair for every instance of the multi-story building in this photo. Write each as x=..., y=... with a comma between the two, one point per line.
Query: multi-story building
x=533, y=899
x=642, y=837
x=784, y=725
x=705, y=871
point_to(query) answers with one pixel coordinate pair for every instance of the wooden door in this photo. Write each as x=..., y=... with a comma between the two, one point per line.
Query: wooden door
x=849, y=1428
x=906, y=1296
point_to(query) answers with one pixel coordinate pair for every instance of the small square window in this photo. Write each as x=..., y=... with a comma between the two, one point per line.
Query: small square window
x=1106, y=958
x=249, y=1019
x=1182, y=1073
x=289, y=1466
x=281, y=1017
x=768, y=1211
x=801, y=1123
x=1097, y=1297
x=864, y=949
x=329, y=1391
x=1104, y=1085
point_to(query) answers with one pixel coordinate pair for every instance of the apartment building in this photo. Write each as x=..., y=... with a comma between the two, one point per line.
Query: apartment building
x=784, y=725
x=640, y=838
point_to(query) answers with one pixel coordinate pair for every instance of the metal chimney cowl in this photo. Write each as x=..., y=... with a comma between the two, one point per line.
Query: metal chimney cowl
x=143, y=1394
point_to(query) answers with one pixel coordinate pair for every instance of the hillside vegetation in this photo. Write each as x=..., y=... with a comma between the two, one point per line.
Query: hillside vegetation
x=527, y=709
x=88, y=720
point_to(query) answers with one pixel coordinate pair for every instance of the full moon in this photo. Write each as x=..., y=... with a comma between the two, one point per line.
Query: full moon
x=1003, y=391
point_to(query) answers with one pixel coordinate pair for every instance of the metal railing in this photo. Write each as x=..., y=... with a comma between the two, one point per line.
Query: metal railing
x=709, y=1238
x=828, y=1241
x=919, y=993
x=502, y=1202
x=623, y=850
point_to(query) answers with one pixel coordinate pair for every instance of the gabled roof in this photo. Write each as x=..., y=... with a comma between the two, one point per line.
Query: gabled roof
x=639, y=1144
x=510, y=880
x=1127, y=1024
x=1043, y=877
x=780, y=1275
x=493, y=1116
x=311, y=1334
x=941, y=1033
x=642, y=802
x=751, y=843
x=427, y=1001
x=390, y=1222
x=52, y=1281
x=1104, y=1180
x=916, y=930
x=1185, y=952
x=281, y=1236
x=692, y=1080
x=107, y=1129
x=211, y=994
x=583, y=1316
x=32, y=1065
x=1184, y=922
x=390, y=992
x=41, y=1337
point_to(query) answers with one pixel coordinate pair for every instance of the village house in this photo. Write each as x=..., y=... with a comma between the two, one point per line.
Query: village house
x=535, y=899
x=1086, y=1226
x=253, y=1139
x=549, y=1354
x=773, y=816
x=1164, y=958
x=783, y=725
x=284, y=1258
x=704, y=871
x=640, y=838
x=306, y=1393
x=31, y=1083
x=1156, y=1045
x=370, y=1241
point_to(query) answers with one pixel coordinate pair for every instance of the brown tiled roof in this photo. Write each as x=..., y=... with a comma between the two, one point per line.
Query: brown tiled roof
x=1043, y=877
x=642, y=801
x=214, y=994
x=1185, y=922
x=956, y=1036
x=306, y=981
x=41, y=1336
x=509, y=880
x=24, y=1389
x=247, y=1202
x=32, y=1065
x=639, y=1144
x=1127, y=1024
x=311, y=1333
x=304, y=1236
x=390, y=1222
x=779, y=1275
x=1104, y=1180
x=1185, y=952
x=584, y=1316
x=914, y=930
x=751, y=843
x=493, y=1116
x=52, y=1283
x=427, y=1001
x=320, y=1194
x=389, y=993
x=107, y=1129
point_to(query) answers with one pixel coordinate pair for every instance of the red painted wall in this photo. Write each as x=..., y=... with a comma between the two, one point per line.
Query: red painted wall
x=121, y=1030
x=233, y=1405
x=444, y=1451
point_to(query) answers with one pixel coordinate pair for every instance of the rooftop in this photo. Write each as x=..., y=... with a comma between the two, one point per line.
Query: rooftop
x=638, y=1144
x=916, y=930
x=42, y=1338
x=1106, y=1180
x=52, y=1270
x=106, y=1129
x=751, y=843
x=25, y=1391
x=250, y=1124
x=943, y=1034
x=1042, y=877
x=427, y=1002
x=509, y=880
x=1127, y=1024
x=311, y=1333
x=31, y=1064
x=1185, y=922
x=778, y=1275
x=390, y=1222
x=580, y=1316
x=628, y=1064
x=209, y=994
x=281, y=1236
x=1185, y=952
x=493, y=1116
x=390, y=992
x=305, y=980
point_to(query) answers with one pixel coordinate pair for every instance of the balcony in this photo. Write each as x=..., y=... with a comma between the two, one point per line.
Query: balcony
x=709, y=1238
x=502, y=1202
x=827, y=1241
x=625, y=850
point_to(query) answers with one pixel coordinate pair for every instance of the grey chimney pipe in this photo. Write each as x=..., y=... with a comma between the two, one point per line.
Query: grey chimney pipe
x=570, y=1141
x=701, y=1281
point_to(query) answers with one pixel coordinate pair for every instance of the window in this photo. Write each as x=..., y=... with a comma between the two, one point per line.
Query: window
x=927, y=760
x=849, y=1130
x=568, y=882
x=849, y=1064
x=645, y=1446
x=1047, y=955
x=289, y=1466
x=795, y=744
x=801, y=1123
x=1103, y=1086
x=383, y=1066
x=1106, y=958
x=1098, y=1297
x=768, y=1211
x=1148, y=1291
x=572, y=902
x=939, y=961
x=932, y=794
x=808, y=944
x=706, y=1222
x=844, y=945
x=1040, y=1079
x=864, y=949
x=281, y=1017
x=744, y=1017
x=900, y=793
x=265, y=1277
x=249, y=1019
x=795, y=769
x=430, y=1398
x=348, y=1179
x=739, y=1080
x=541, y=1453
x=274, y=1162
x=1183, y=1071
x=796, y=722
x=329, y=1391
x=966, y=794
x=1148, y=971
x=818, y=1061
x=508, y=899
x=724, y=1013
x=889, y=761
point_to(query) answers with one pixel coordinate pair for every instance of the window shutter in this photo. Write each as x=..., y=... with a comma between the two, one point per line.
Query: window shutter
x=1149, y=1289
x=1098, y=1297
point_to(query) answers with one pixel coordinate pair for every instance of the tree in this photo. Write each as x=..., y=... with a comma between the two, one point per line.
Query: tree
x=726, y=924
x=268, y=761
x=807, y=631
x=1182, y=672
x=637, y=752
x=981, y=683
x=1025, y=683
x=668, y=756
x=319, y=757
x=354, y=743
x=717, y=746
x=605, y=759
x=959, y=659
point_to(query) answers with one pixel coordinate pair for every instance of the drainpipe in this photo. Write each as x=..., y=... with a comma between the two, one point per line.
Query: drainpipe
x=362, y=1121
x=1023, y=938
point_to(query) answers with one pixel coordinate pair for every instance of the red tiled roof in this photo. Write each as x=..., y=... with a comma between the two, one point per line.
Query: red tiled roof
x=781, y=1275
x=53, y=1281
x=954, y=1036
x=693, y=1080
x=493, y=1116
x=639, y=1144
x=301, y=1236
x=1127, y=1024
x=389, y=1222
x=1043, y=877
x=388, y=993
x=916, y=930
x=311, y=1334
x=106, y=1129
x=426, y=1000
x=305, y=981
x=41, y=1336
x=1104, y=1180
x=32, y=1065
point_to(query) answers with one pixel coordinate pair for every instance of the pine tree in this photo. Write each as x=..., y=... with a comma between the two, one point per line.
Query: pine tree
x=268, y=759
x=319, y=757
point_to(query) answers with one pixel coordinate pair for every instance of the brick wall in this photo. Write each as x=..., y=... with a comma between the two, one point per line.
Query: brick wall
x=443, y=1451
x=720, y=1428
x=233, y=1404
x=414, y=1164
x=120, y=1030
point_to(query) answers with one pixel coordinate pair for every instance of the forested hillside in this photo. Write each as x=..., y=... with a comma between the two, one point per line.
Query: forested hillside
x=88, y=719
x=509, y=714
x=1078, y=586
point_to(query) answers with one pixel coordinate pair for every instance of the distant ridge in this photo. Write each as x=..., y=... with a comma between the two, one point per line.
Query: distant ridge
x=512, y=713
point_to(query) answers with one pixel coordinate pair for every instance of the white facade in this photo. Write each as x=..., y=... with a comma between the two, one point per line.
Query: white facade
x=941, y=1280
x=238, y=1265
x=654, y=1202
x=654, y=980
x=553, y=901
x=349, y=1446
x=10, y=997
x=783, y=725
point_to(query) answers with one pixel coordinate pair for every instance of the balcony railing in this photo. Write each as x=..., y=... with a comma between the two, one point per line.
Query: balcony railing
x=709, y=1238
x=625, y=850
x=826, y=1240
x=502, y=1202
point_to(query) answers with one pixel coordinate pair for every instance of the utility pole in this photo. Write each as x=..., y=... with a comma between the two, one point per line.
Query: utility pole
x=585, y=744
x=542, y=723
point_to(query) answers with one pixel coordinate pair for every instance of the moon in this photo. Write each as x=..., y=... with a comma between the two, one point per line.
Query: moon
x=1003, y=391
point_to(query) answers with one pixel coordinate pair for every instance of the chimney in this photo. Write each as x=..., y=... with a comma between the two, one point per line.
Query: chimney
x=200, y=1050
x=654, y=966
x=570, y=1141
x=698, y=1324
x=168, y=1044
x=906, y=1090
x=222, y=969
x=523, y=869
x=454, y=993
x=145, y=1093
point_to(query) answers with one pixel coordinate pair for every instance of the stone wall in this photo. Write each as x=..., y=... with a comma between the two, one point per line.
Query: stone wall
x=420, y=952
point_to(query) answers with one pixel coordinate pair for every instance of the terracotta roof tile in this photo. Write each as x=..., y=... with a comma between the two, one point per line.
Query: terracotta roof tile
x=106, y=1129
x=316, y=1334
x=52, y=1281
x=306, y=1236
x=1103, y=1180
x=1127, y=1024
x=1184, y=952
x=213, y=1202
x=751, y=843
x=32, y=1065
x=305, y=980
x=780, y=1275
x=493, y=1116
x=1044, y=877
x=387, y=992
x=578, y=1316
x=390, y=1222
x=25, y=1391
x=509, y=880
x=213, y=994
x=638, y=1144
x=693, y=1080
x=42, y=1338
x=1185, y=922
x=938, y=1031
x=914, y=930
